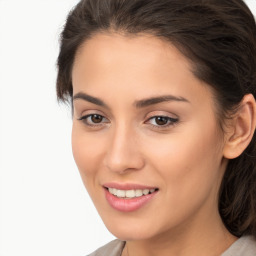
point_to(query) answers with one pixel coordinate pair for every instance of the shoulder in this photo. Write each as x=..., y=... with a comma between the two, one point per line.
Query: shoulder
x=244, y=246
x=113, y=248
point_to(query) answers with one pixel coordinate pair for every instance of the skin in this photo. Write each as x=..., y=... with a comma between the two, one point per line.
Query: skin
x=185, y=160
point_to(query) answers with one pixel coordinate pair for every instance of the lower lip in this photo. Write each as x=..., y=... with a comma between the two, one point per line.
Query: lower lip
x=128, y=205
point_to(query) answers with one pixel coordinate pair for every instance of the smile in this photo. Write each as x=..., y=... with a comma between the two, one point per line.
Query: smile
x=128, y=198
x=130, y=193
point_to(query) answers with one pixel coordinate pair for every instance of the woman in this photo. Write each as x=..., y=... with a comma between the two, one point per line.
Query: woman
x=164, y=115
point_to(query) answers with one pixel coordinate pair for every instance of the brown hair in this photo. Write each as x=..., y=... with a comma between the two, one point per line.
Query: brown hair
x=218, y=37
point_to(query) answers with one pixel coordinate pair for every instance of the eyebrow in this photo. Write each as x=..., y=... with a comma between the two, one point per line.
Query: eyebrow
x=138, y=104
x=86, y=97
x=155, y=100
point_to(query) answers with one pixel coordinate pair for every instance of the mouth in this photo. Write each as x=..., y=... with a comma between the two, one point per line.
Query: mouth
x=131, y=193
x=128, y=198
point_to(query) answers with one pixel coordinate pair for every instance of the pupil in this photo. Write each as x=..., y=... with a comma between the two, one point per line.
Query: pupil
x=96, y=118
x=160, y=120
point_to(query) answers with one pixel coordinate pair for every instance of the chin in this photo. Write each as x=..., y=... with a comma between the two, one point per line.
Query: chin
x=130, y=235
x=131, y=230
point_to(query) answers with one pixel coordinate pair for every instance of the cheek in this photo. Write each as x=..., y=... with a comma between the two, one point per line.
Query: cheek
x=189, y=163
x=87, y=153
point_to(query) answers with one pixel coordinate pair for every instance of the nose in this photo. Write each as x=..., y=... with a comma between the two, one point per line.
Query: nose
x=123, y=153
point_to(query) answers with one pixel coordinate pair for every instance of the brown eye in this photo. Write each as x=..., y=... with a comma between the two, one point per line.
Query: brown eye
x=96, y=119
x=161, y=120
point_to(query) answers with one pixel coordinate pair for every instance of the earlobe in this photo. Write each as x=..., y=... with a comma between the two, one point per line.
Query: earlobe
x=241, y=129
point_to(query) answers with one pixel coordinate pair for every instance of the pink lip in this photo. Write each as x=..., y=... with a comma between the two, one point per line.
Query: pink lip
x=127, y=205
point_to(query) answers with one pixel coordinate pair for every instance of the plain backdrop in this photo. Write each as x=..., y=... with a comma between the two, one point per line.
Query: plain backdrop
x=44, y=208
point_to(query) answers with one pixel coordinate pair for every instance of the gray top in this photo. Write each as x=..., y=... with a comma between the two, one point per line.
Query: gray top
x=244, y=246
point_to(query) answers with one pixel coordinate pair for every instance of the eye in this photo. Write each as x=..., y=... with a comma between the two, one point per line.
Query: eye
x=162, y=121
x=93, y=120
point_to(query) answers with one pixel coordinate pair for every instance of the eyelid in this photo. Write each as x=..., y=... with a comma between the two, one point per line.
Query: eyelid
x=82, y=111
x=162, y=114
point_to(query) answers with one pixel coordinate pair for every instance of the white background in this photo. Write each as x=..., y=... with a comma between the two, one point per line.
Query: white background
x=44, y=208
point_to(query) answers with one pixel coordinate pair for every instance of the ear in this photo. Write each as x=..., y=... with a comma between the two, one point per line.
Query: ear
x=241, y=128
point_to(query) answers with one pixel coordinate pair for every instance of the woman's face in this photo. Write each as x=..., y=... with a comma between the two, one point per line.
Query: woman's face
x=143, y=122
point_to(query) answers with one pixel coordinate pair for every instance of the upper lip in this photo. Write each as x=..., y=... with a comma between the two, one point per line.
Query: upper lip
x=127, y=186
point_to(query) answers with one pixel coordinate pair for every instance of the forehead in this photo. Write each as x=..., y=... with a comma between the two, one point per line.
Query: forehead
x=141, y=50
x=142, y=65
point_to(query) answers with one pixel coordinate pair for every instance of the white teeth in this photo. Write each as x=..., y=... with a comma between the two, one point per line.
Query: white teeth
x=120, y=193
x=145, y=191
x=138, y=192
x=130, y=193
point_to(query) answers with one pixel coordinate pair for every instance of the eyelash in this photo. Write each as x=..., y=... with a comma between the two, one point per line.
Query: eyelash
x=170, y=121
x=85, y=121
